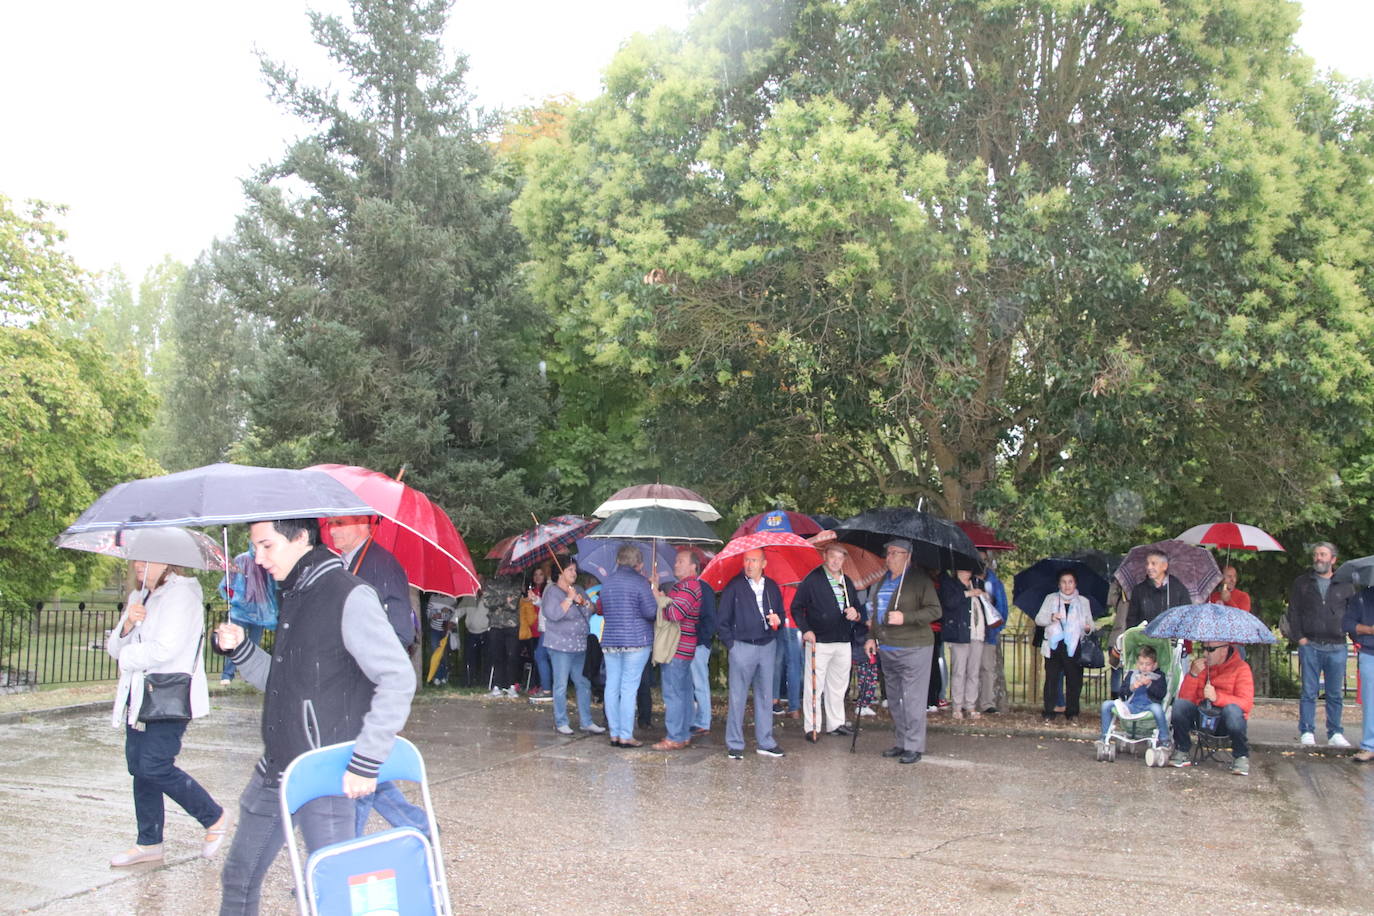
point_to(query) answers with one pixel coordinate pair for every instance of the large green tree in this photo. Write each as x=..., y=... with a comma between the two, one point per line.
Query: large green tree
x=975, y=252
x=381, y=251
x=71, y=412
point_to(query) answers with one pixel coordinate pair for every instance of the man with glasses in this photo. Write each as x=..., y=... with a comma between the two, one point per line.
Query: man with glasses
x=1217, y=684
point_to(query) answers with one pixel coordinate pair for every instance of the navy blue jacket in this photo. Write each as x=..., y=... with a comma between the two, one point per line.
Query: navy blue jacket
x=814, y=608
x=706, y=623
x=1360, y=609
x=381, y=570
x=955, y=607
x=738, y=613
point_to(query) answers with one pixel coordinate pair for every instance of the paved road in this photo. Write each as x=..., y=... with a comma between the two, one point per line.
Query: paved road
x=535, y=823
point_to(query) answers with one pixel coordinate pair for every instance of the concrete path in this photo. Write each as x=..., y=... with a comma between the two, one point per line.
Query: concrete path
x=536, y=823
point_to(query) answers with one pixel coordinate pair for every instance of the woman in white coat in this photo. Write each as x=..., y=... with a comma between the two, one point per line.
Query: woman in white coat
x=1066, y=616
x=161, y=632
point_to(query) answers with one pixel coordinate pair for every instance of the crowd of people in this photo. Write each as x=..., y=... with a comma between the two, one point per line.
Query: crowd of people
x=342, y=666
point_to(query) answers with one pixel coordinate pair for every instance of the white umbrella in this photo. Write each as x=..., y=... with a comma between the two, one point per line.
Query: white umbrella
x=173, y=546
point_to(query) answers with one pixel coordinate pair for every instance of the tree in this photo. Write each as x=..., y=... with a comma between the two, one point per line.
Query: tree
x=71, y=413
x=381, y=252
x=978, y=250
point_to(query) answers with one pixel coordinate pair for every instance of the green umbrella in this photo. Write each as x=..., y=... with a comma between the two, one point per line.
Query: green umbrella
x=655, y=523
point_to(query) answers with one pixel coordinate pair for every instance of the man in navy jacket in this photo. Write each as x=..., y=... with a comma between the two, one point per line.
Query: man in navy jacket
x=748, y=616
x=827, y=609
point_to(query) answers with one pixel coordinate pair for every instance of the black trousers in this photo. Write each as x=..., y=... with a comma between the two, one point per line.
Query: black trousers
x=1059, y=663
x=503, y=646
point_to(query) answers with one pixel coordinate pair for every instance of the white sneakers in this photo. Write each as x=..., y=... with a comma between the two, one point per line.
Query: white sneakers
x=137, y=855
x=563, y=729
x=594, y=729
x=1308, y=739
x=1337, y=740
x=865, y=711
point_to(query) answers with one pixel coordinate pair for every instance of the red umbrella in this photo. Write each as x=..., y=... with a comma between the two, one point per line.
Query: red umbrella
x=863, y=567
x=779, y=520
x=658, y=494
x=789, y=556
x=983, y=537
x=414, y=529
x=1230, y=536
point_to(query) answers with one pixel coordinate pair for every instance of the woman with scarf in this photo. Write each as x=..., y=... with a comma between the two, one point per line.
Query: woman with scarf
x=1066, y=616
x=967, y=614
x=161, y=631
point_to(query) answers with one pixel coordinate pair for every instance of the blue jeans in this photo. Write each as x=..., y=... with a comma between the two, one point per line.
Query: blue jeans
x=751, y=666
x=701, y=688
x=565, y=665
x=392, y=805
x=151, y=757
x=677, y=698
x=1187, y=716
x=1160, y=722
x=787, y=662
x=251, y=632
x=259, y=837
x=623, y=671
x=1321, y=661
x=543, y=663
x=1366, y=660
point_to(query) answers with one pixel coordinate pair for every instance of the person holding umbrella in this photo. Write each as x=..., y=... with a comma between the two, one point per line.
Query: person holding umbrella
x=1066, y=616
x=629, y=609
x=567, y=610
x=161, y=632
x=1223, y=679
x=903, y=605
x=826, y=608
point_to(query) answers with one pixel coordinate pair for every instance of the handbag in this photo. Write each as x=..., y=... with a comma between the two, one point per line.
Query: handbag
x=1089, y=654
x=167, y=694
x=991, y=617
x=667, y=634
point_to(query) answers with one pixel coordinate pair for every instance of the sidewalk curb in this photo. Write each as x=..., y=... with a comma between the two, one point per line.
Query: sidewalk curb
x=59, y=712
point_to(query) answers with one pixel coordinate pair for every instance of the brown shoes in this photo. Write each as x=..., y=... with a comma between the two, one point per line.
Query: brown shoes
x=1362, y=756
x=667, y=745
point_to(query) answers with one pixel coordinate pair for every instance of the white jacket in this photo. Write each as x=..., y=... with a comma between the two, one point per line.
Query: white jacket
x=165, y=642
x=1079, y=621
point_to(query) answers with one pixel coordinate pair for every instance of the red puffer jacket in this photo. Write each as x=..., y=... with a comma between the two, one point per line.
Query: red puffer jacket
x=1231, y=679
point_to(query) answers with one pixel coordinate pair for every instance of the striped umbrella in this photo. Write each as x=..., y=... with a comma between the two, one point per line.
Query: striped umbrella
x=1230, y=536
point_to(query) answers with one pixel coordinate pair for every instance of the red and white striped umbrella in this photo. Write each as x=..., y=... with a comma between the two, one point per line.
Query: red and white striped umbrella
x=1230, y=536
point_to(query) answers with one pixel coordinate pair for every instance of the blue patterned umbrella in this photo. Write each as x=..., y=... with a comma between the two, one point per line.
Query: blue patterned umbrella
x=1209, y=623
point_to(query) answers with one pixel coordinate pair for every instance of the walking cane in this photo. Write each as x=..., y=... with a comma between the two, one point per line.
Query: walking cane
x=815, y=698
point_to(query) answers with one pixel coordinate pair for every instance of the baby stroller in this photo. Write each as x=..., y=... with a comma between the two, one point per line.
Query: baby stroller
x=396, y=872
x=1131, y=729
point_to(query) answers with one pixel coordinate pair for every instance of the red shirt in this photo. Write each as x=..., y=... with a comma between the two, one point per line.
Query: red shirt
x=1239, y=599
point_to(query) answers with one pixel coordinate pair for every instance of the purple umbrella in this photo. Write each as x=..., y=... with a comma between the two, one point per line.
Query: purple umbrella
x=1191, y=565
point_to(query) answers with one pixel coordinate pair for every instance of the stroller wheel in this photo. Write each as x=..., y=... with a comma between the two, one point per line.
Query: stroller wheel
x=1101, y=751
x=1111, y=753
x=1150, y=757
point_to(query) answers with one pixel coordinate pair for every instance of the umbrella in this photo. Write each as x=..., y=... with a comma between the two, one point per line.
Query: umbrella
x=173, y=546
x=779, y=520
x=1209, y=623
x=219, y=494
x=1193, y=566
x=862, y=568
x=789, y=557
x=983, y=537
x=545, y=541
x=936, y=543
x=597, y=556
x=1041, y=578
x=1359, y=572
x=418, y=533
x=501, y=549
x=1099, y=561
x=660, y=495
x=1230, y=536
x=825, y=521
x=656, y=523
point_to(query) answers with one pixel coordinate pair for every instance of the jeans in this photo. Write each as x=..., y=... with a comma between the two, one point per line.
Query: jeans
x=251, y=632
x=751, y=666
x=1232, y=722
x=151, y=757
x=623, y=672
x=565, y=665
x=1321, y=661
x=392, y=805
x=701, y=688
x=543, y=664
x=787, y=667
x=1160, y=722
x=677, y=698
x=259, y=837
x=1366, y=661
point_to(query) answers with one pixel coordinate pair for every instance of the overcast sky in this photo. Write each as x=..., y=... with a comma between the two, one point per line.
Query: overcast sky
x=143, y=116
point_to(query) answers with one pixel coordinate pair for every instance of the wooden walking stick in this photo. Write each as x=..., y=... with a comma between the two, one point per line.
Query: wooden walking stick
x=815, y=697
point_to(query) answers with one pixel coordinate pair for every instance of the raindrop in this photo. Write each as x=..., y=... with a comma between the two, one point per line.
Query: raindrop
x=1125, y=508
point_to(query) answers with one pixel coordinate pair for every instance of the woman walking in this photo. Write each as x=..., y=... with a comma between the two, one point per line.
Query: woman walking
x=161, y=632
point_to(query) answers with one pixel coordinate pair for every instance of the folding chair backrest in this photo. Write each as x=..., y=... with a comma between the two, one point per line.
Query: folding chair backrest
x=320, y=772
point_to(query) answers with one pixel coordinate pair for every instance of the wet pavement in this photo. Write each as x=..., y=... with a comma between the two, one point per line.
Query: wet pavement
x=536, y=823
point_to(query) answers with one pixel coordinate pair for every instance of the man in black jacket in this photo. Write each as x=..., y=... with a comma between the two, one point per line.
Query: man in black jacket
x=748, y=617
x=1316, y=608
x=826, y=609
x=336, y=673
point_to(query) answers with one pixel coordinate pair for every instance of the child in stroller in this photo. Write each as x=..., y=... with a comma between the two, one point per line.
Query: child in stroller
x=1145, y=694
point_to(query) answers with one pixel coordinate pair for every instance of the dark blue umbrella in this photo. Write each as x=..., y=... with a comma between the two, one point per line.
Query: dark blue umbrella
x=220, y=494
x=1210, y=623
x=1032, y=584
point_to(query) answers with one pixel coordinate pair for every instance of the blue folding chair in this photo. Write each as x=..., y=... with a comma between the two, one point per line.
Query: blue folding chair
x=396, y=872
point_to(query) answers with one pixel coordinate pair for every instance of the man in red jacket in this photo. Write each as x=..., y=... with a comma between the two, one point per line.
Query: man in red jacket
x=1222, y=678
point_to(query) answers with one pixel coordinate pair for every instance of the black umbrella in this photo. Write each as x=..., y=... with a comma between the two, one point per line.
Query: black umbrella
x=1033, y=583
x=936, y=543
x=1359, y=572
